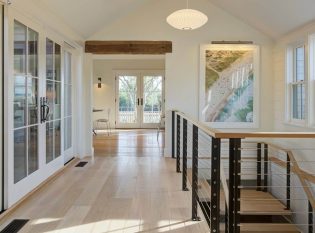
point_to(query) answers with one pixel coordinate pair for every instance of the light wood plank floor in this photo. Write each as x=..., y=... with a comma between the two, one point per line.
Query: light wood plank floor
x=129, y=143
x=115, y=193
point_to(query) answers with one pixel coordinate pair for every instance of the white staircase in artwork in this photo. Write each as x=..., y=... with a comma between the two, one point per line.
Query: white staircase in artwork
x=230, y=79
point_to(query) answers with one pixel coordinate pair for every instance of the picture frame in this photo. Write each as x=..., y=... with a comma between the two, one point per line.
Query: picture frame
x=229, y=85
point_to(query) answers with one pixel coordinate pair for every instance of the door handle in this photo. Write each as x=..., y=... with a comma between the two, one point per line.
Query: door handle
x=47, y=110
x=44, y=109
x=41, y=109
x=142, y=101
x=138, y=101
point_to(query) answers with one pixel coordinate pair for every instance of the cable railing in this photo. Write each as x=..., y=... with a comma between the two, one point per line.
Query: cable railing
x=241, y=181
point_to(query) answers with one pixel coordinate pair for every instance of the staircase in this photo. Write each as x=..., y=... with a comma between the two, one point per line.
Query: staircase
x=232, y=179
x=260, y=211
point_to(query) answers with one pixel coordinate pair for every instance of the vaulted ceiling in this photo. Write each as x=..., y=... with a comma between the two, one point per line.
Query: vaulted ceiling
x=86, y=17
x=273, y=17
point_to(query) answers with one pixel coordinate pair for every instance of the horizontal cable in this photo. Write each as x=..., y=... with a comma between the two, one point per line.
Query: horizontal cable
x=271, y=199
x=270, y=186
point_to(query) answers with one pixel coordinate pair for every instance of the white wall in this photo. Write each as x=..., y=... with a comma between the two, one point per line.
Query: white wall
x=298, y=204
x=279, y=74
x=104, y=97
x=182, y=66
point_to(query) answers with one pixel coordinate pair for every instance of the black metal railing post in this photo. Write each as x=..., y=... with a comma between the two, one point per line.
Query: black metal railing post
x=215, y=185
x=266, y=163
x=310, y=218
x=184, y=174
x=234, y=185
x=231, y=187
x=258, y=167
x=178, y=144
x=194, y=184
x=288, y=182
x=173, y=134
x=237, y=184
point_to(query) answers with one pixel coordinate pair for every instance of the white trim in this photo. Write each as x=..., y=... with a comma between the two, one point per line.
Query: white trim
x=290, y=72
x=311, y=81
x=257, y=82
x=1, y=106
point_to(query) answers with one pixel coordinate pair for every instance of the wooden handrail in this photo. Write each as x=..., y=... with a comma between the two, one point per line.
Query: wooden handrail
x=226, y=135
x=301, y=174
x=210, y=131
x=283, y=164
x=302, y=180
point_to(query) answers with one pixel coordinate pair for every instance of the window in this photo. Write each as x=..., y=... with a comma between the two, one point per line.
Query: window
x=297, y=81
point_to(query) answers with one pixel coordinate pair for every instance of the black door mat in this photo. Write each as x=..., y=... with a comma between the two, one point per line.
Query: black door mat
x=15, y=226
x=81, y=164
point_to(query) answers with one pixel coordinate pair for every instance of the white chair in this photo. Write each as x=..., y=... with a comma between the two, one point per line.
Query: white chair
x=105, y=121
x=161, y=124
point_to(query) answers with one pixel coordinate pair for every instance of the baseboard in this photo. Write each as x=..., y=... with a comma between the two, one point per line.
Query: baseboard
x=8, y=211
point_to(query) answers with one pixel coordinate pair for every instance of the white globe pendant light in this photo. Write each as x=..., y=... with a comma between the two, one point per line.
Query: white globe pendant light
x=187, y=19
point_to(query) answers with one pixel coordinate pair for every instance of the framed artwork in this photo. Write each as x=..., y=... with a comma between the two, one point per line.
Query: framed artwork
x=229, y=86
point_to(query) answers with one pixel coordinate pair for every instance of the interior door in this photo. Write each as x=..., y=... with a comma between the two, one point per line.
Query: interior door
x=139, y=99
x=26, y=105
x=128, y=100
x=152, y=98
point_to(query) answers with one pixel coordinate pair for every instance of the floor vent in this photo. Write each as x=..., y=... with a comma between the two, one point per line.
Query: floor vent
x=81, y=164
x=15, y=226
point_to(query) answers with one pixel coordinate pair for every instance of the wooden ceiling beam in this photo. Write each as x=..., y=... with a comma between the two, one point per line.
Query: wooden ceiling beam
x=128, y=47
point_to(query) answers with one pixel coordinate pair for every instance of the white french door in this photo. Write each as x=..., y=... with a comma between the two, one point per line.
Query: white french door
x=139, y=98
x=39, y=107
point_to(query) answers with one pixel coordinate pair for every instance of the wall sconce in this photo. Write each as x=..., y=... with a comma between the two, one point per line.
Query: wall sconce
x=99, y=85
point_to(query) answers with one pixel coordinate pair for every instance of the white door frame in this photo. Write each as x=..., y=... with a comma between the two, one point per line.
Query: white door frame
x=68, y=153
x=139, y=74
x=1, y=107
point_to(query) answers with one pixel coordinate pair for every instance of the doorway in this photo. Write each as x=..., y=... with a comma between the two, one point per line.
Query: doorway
x=139, y=99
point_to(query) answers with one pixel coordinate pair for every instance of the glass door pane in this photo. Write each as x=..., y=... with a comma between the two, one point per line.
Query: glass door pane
x=25, y=102
x=53, y=100
x=153, y=99
x=128, y=101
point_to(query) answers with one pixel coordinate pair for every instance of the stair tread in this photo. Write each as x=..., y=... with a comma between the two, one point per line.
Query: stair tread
x=261, y=203
x=253, y=202
x=268, y=227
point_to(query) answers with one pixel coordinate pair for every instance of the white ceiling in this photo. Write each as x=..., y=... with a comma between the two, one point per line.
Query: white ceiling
x=273, y=17
x=86, y=17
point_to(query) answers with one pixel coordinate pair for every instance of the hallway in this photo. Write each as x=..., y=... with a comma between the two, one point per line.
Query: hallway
x=133, y=142
x=114, y=193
